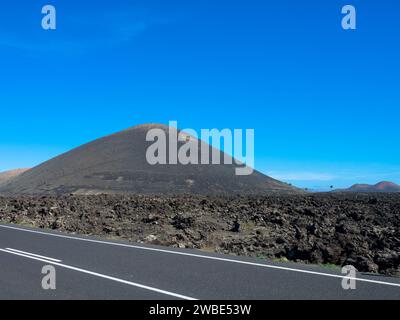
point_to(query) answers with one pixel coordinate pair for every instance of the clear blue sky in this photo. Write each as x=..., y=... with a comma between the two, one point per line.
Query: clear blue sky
x=324, y=102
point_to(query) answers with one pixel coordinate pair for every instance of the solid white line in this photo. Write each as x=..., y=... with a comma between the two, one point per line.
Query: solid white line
x=34, y=255
x=204, y=257
x=134, y=284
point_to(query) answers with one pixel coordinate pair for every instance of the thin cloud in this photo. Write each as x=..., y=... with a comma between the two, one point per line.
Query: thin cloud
x=328, y=177
x=77, y=35
x=302, y=176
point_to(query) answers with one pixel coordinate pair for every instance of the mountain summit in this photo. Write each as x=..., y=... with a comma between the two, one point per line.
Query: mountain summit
x=117, y=164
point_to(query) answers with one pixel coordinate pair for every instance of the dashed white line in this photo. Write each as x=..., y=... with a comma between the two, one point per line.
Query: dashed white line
x=205, y=257
x=96, y=274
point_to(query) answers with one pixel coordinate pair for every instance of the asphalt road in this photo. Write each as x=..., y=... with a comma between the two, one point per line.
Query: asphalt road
x=92, y=268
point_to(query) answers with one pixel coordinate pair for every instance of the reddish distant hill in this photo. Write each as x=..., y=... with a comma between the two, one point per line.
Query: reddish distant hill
x=8, y=175
x=383, y=186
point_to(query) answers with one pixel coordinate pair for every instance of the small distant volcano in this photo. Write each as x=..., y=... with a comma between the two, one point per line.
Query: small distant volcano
x=384, y=186
x=117, y=164
x=7, y=176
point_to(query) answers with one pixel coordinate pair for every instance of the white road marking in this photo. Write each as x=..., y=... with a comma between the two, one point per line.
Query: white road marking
x=205, y=257
x=34, y=255
x=130, y=283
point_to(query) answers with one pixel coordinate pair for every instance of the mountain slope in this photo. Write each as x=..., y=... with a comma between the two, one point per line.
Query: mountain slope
x=6, y=176
x=383, y=186
x=117, y=164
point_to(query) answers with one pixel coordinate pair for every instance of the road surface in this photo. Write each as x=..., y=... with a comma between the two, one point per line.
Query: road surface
x=92, y=268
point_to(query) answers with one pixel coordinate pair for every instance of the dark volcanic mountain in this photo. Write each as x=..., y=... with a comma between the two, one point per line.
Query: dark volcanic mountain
x=117, y=164
x=383, y=186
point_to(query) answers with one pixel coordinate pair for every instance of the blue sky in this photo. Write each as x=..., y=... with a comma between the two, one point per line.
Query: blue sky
x=324, y=102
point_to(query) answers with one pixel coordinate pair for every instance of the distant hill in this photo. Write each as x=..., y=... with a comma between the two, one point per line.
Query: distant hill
x=383, y=186
x=117, y=164
x=6, y=176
